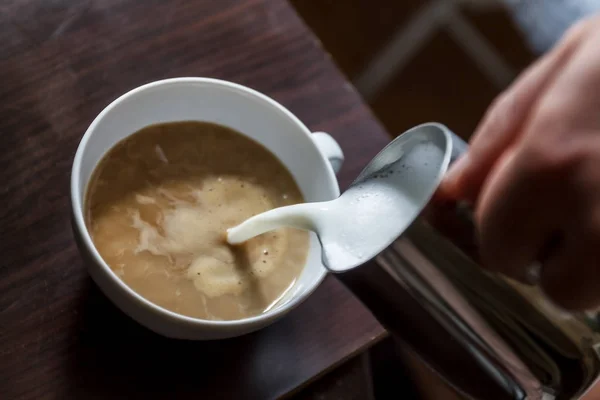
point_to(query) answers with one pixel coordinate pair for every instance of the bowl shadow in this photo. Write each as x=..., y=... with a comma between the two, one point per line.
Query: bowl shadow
x=115, y=357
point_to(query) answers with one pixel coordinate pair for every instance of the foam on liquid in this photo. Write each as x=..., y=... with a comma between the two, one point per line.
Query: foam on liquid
x=368, y=216
x=159, y=204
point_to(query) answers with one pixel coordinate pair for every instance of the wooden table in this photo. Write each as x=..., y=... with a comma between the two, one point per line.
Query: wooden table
x=61, y=62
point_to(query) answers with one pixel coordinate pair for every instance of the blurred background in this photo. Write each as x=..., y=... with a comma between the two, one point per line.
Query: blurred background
x=415, y=61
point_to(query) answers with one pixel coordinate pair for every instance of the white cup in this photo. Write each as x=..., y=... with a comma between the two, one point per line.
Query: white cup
x=312, y=158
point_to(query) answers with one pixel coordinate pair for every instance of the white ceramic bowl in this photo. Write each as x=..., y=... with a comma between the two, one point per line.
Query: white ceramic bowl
x=312, y=158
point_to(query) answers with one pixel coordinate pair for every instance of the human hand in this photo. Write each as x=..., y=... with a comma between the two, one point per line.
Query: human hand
x=533, y=172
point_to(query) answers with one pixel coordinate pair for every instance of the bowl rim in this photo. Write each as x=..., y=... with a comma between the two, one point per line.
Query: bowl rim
x=77, y=207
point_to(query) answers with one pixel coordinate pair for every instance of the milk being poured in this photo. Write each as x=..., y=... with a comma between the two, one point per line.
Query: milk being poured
x=385, y=199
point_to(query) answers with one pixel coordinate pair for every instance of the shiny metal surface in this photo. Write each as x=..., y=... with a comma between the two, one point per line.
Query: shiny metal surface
x=490, y=337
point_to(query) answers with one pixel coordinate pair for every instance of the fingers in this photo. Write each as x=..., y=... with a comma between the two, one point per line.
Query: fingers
x=520, y=218
x=513, y=217
x=525, y=165
x=502, y=123
x=570, y=274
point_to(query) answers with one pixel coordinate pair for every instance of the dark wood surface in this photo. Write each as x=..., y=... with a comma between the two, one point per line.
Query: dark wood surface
x=61, y=62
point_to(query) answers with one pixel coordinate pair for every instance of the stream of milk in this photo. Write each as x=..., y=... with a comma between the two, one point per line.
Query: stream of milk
x=366, y=218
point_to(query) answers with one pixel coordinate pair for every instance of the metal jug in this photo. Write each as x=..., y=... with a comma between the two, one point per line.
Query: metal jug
x=489, y=336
